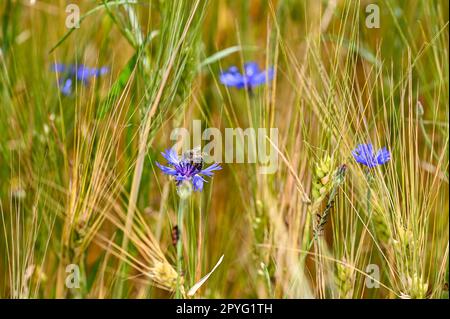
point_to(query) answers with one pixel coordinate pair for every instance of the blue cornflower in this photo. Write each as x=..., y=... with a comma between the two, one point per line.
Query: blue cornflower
x=75, y=72
x=251, y=77
x=365, y=155
x=186, y=169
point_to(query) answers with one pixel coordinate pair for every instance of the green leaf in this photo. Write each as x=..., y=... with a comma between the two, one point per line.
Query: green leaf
x=359, y=49
x=200, y=283
x=87, y=14
x=124, y=76
x=118, y=86
x=224, y=53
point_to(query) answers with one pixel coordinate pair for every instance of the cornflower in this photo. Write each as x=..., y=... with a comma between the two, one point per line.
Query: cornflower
x=365, y=155
x=251, y=77
x=187, y=169
x=72, y=73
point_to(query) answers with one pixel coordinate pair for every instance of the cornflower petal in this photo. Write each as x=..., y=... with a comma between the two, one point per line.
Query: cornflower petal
x=252, y=76
x=58, y=67
x=232, y=79
x=171, y=156
x=83, y=73
x=251, y=69
x=167, y=170
x=66, y=89
x=262, y=77
x=72, y=72
x=383, y=156
x=197, y=182
x=208, y=171
x=102, y=70
x=364, y=154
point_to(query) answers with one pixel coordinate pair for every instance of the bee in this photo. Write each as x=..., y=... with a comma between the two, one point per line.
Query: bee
x=175, y=235
x=194, y=157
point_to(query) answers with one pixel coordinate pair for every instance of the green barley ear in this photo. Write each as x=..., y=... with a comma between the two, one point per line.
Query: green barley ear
x=416, y=287
x=321, y=182
x=344, y=280
x=405, y=243
x=332, y=185
x=165, y=276
x=321, y=185
x=381, y=227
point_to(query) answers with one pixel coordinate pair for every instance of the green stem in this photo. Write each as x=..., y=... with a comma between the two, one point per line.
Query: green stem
x=181, y=206
x=427, y=139
x=269, y=283
x=369, y=193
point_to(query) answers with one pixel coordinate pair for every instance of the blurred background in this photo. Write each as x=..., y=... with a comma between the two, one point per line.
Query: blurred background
x=78, y=180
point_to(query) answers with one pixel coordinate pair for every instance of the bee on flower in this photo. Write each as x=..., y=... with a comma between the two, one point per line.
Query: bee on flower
x=187, y=168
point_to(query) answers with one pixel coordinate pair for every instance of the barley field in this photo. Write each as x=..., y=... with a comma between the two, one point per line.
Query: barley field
x=334, y=184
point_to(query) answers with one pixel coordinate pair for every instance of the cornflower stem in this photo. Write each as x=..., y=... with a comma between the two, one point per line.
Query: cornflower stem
x=369, y=192
x=179, y=247
x=251, y=93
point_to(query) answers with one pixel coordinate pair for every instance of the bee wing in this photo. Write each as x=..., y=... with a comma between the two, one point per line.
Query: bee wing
x=194, y=154
x=197, y=151
x=198, y=154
